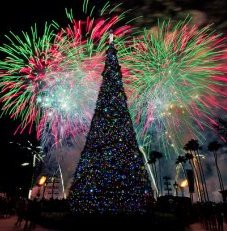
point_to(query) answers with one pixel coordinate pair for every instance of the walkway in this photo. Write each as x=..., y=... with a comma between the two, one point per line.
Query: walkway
x=7, y=224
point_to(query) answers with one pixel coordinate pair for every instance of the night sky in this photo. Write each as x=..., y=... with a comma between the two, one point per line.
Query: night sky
x=20, y=15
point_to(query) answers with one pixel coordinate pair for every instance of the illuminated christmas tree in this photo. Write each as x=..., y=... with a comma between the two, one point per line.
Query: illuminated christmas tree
x=110, y=177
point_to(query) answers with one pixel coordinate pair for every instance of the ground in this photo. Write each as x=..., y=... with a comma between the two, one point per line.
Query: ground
x=8, y=225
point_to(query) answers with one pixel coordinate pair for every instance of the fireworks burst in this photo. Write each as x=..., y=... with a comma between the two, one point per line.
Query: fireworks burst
x=53, y=80
x=178, y=79
x=22, y=72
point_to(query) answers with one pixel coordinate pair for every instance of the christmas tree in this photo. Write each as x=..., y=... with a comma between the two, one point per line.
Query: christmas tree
x=110, y=177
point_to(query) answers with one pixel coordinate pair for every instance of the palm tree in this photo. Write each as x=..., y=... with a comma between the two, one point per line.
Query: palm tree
x=213, y=147
x=193, y=147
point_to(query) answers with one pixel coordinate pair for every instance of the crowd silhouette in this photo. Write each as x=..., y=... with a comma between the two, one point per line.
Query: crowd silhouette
x=167, y=211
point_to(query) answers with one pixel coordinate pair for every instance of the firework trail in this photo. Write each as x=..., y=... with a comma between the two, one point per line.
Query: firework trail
x=178, y=76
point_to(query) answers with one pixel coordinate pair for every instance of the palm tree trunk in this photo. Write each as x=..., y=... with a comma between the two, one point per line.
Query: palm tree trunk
x=218, y=171
x=202, y=176
x=160, y=177
x=220, y=178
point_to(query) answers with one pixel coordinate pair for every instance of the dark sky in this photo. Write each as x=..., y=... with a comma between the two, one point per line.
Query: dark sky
x=20, y=15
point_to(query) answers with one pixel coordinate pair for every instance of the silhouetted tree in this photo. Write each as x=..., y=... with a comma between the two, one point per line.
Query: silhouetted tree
x=193, y=147
x=214, y=147
x=190, y=157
